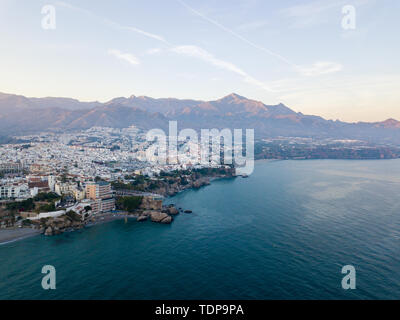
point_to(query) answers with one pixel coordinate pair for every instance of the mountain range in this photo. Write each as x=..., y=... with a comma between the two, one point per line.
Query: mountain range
x=22, y=115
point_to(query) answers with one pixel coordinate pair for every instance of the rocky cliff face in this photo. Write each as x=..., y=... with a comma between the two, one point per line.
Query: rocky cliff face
x=148, y=203
x=193, y=181
x=173, y=189
x=54, y=226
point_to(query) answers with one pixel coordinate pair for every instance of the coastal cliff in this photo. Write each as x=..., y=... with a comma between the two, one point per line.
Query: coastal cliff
x=141, y=207
x=53, y=226
x=170, y=183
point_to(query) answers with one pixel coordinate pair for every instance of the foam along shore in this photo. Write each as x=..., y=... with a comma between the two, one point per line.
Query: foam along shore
x=14, y=234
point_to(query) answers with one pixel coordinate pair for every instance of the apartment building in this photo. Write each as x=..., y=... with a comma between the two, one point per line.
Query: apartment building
x=66, y=188
x=98, y=190
x=101, y=194
x=10, y=167
x=12, y=191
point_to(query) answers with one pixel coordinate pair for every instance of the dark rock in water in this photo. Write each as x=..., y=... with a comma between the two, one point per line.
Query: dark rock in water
x=167, y=220
x=188, y=211
x=173, y=211
x=142, y=218
x=48, y=231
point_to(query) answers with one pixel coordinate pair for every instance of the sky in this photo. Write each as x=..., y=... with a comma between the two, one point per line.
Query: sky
x=313, y=56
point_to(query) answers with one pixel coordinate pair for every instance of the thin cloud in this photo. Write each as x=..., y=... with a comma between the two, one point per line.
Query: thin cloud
x=153, y=51
x=320, y=68
x=136, y=30
x=72, y=7
x=192, y=51
x=124, y=56
x=222, y=27
x=199, y=53
x=251, y=26
x=111, y=23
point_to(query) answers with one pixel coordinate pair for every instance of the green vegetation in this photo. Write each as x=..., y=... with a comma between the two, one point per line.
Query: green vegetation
x=139, y=184
x=42, y=196
x=166, y=180
x=49, y=207
x=129, y=204
x=25, y=205
x=118, y=185
x=73, y=216
x=34, y=204
x=184, y=181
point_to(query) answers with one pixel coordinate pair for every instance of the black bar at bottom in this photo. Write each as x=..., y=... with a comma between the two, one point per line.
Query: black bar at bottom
x=200, y=309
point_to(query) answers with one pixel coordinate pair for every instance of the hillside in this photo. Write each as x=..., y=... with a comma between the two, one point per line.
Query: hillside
x=19, y=114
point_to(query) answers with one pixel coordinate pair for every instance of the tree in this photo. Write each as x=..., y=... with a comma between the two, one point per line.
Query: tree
x=46, y=208
x=43, y=196
x=129, y=204
x=25, y=205
x=73, y=216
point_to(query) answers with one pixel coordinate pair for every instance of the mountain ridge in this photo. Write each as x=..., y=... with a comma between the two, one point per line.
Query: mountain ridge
x=20, y=114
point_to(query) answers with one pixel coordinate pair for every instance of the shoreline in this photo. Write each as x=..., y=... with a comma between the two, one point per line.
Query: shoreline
x=16, y=234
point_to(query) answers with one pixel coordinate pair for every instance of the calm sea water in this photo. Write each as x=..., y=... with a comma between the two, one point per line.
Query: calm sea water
x=283, y=233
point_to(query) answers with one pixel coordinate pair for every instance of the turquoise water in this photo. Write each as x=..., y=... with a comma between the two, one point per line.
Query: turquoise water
x=283, y=233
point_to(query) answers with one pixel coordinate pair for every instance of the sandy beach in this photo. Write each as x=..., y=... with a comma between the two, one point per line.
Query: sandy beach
x=15, y=234
x=10, y=235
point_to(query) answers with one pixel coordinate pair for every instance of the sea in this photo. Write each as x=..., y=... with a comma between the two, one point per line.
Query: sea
x=285, y=232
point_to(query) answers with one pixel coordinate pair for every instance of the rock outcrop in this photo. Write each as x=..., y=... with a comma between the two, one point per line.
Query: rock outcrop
x=54, y=226
x=201, y=182
x=142, y=218
x=172, y=211
x=149, y=203
x=158, y=216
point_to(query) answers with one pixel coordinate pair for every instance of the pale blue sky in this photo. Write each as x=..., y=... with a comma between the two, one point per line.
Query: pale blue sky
x=295, y=52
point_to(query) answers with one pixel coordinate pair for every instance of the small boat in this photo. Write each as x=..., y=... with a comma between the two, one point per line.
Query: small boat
x=245, y=176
